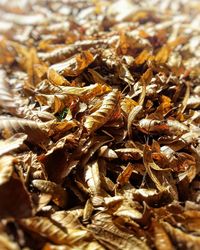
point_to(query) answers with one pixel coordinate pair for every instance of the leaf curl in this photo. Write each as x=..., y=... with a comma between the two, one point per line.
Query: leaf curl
x=98, y=118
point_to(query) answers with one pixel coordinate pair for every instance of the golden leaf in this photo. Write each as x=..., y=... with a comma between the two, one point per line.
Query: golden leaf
x=46, y=228
x=75, y=65
x=127, y=104
x=108, y=234
x=7, y=243
x=98, y=118
x=182, y=239
x=96, y=76
x=7, y=55
x=56, y=78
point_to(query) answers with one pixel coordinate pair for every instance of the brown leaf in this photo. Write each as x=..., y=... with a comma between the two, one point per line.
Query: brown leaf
x=147, y=159
x=163, y=54
x=46, y=228
x=143, y=56
x=34, y=130
x=181, y=239
x=124, y=176
x=7, y=55
x=92, y=178
x=6, y=169
x=105, y=230
x=7, y=243
x=6, y=95
x=99, y=115
x=98, y=118
x=75, y=65
x=56, y=78
x=59, y=194
x=19, y=204
x=12, y=143
x=162, y=240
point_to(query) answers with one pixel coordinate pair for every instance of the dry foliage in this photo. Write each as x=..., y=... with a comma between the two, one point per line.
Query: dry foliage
x=99, y=124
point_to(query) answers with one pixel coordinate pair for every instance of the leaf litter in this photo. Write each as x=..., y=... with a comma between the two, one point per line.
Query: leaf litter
x=99, y=124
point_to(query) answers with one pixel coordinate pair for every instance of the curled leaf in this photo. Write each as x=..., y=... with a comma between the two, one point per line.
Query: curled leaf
x=75, y=65
x=102, y=115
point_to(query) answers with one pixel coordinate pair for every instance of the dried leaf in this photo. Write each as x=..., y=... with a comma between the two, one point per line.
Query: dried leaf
x=96, y=76
x=59, y=195
x=12, y=143
x=34, y=130
x=7, y=243
x=19, y=204
x=75, y=65
x=181, y=239
x=6, y=169
x=143, y=56
x=147, y=163
x=124, y=176
x=106, y=152
x=56, y=78
x=104, y=230
x=6, y=96
x=163, y=54
x=46, y=228
x=99, y=115
x=92, y=178
x=98, y=118
x=161, y=238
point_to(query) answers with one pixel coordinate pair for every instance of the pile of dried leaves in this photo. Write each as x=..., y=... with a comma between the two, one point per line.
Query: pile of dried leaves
x=99, y=124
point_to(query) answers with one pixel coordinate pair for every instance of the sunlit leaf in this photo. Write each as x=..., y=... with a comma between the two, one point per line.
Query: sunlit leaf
x=6, y=169
x=75, y=65
x=92, y=178
x=99, y=125
x=12, y=143
x=102, y=115
x=46, y=228
x=104, y=230
x=34, y=130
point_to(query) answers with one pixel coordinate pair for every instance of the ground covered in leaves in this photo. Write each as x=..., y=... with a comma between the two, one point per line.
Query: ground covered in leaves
x=99, y=124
